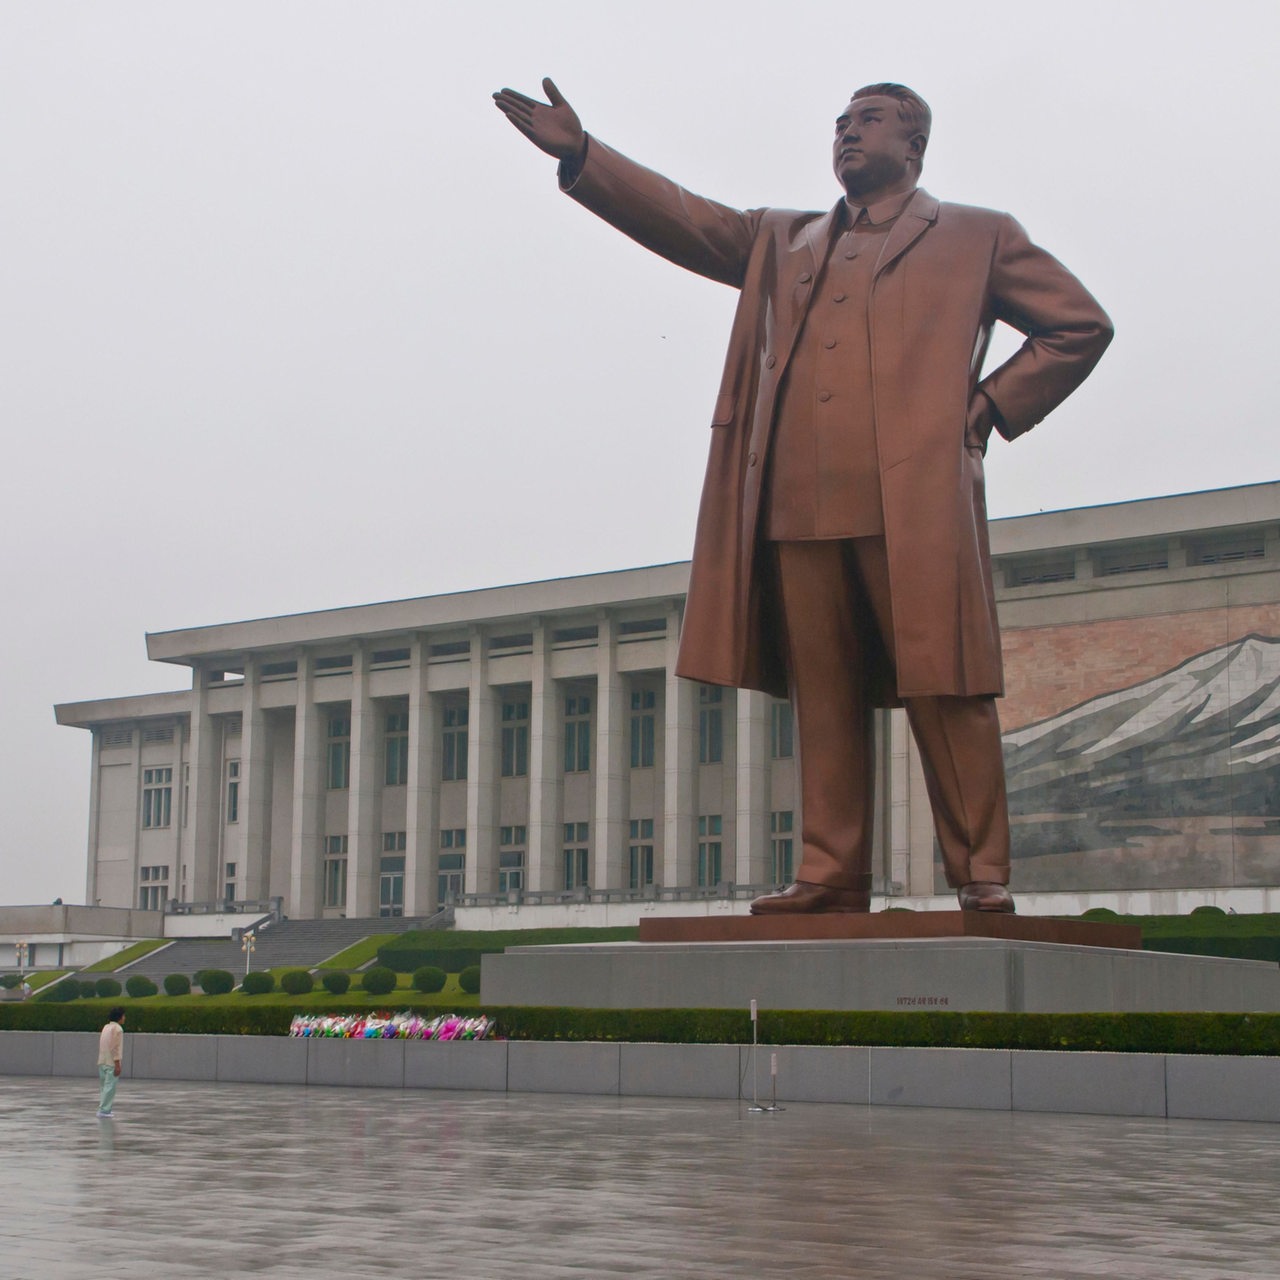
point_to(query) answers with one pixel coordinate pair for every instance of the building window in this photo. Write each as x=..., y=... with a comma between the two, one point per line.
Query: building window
x=577, y=855
x=709, y=847
x=157, y=797
x=335, y=871
x=1042, y=570
x=153, y=889
x=577, y=734
x=396, y=755
x=233, y=791
x=515, y=739
x=453, y=756
x=780, y=832
x=229, y=885
x=391, y=876
x=1227, y=548
x=452, y=865
x=782, y=732
x=512, y=842
x=338, y=754
x=640, y=853
x=643, y=702
x=710, y=724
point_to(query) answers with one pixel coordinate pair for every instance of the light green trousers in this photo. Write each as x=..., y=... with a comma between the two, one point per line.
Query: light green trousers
x=107, y=1088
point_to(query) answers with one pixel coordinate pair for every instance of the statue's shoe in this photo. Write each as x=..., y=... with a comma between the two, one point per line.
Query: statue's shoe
x=803, y=898
x=985, y=895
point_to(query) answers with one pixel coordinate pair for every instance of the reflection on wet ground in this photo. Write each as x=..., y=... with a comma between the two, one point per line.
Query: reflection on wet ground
x=204, y=1180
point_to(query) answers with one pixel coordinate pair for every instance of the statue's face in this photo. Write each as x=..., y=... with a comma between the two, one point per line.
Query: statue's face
x=873, y=147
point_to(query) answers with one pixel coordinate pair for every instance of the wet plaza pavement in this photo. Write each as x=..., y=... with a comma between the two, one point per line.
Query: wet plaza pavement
x=205, y=1180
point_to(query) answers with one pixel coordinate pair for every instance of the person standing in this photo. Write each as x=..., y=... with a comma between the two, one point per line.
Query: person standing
x=110, y=1056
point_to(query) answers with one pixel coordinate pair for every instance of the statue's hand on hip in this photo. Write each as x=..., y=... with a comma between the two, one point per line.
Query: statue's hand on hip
x=551, y=126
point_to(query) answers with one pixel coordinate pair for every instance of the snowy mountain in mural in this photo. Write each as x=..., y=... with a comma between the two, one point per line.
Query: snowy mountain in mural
x=1200, y=742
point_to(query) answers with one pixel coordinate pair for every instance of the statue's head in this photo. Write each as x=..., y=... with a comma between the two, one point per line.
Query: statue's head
x=880, y=140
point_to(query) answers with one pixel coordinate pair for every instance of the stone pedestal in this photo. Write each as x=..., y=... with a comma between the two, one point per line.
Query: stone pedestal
x=959, y=972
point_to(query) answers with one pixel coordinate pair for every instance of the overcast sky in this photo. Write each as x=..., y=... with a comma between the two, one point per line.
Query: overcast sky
x=291, y=318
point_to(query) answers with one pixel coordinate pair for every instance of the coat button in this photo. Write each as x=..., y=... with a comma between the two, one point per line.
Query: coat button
x=839, y=297
x=851, y=253
x=805, y=277
x=830, y=342
x=751, y=459
x=770, y=361
x=824, y=396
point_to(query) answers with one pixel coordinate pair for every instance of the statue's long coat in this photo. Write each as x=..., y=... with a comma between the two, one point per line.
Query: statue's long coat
x=946, y=274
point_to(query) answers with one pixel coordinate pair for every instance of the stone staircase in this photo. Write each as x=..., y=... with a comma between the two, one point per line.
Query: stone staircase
x=300, y=944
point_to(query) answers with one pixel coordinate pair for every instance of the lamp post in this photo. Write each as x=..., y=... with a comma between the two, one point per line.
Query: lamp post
x=247, y=947
x=23, y=950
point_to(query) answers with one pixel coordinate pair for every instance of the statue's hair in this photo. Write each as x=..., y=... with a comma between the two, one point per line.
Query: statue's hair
x=913, y=110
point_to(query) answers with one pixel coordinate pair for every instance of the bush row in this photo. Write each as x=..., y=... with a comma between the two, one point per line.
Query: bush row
x=1210, y=1033
x=458, y=949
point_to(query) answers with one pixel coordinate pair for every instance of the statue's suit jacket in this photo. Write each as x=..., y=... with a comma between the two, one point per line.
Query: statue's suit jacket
x=945, y=275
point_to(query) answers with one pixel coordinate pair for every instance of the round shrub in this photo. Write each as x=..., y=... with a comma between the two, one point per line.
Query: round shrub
x=1208, y=909
x=1100, y=914
x=9, y=980
x=59, y=992
x=177, y=984
x=106, y=987
x=88, y=988
x=429, y=978
x=258, y=983
x=336, y=983
x=469, y=979
x=378, y=981
x=216, y=982
x=297, y=982
x=140, y=985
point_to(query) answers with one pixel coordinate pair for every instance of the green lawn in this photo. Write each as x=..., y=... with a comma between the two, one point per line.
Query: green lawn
x=358, y=954
x=109, y=964
x=42, y=979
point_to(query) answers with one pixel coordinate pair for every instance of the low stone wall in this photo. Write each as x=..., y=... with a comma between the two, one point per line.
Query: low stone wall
x=1123, y=1084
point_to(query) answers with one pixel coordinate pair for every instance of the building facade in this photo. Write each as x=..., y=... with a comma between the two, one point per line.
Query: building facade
x=525, y=747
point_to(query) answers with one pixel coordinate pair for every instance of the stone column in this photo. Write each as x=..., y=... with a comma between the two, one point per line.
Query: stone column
x=422, y=808
x=308, y=798
x=544, y=766
x=680, y=799
x=95, y=801
x=255, y=786
x=364, y=799
x=482, y=773
x=205, y=807
x=751, y=859
x=898, y=760
x=609, y=829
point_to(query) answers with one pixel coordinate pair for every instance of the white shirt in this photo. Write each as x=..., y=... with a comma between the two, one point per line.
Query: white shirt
x=110, y=1044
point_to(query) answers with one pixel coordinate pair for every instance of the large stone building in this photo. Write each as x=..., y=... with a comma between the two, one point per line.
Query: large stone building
x=526, y=750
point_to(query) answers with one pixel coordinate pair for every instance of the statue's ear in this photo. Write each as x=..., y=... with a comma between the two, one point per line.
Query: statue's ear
x=916, y=145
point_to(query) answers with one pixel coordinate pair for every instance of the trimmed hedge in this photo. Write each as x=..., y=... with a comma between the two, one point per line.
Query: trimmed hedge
x=215, y=982
x=297, y=982
x=469, y=979
x=456, y=950
x=10, y=980
x=429, y=978
x=336, y=983
x=87, y=987
x=258, y=983
x=177, y=984
x=1231, y=1034
x=139, y=986
x=59, y=992
x=107, y=987
x=378, y=981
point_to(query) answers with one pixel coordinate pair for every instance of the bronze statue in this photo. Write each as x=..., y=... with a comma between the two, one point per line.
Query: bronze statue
x=841, y=556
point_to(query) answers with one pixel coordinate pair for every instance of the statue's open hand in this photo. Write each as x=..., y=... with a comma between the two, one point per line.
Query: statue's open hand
x=551, y=126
